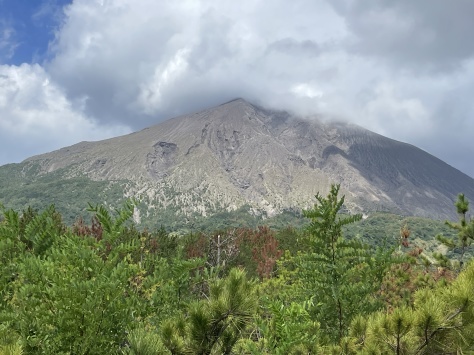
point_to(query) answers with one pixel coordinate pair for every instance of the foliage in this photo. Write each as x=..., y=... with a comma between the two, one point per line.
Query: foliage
x=383, y=229
x=256, y=249
x=464, y=228
x=214, y=325
x=10, y=343
x=24, y=185
x=411, y=269
x=441, y=321
x=284, y=329
x=111, y=287
x=143, y=341
x=80, y=293
x=66, y=296
x=342, y=275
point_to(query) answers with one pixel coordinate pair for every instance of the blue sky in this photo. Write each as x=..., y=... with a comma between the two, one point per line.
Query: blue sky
x=93, y=69
x=30, y=26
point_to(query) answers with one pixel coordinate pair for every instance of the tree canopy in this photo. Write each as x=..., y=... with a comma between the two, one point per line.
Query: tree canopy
x=109, y=287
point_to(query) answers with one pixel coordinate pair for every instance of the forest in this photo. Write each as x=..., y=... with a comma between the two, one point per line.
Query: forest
x=108, y=286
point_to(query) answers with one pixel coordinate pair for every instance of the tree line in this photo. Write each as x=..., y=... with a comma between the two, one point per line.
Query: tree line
x=107, y=287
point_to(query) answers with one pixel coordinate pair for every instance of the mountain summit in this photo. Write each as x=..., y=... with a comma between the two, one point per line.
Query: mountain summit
x=238, y=154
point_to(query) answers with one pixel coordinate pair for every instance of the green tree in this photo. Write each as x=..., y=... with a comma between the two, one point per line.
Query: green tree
x=283, y=329
x=72, y=300
x=215, y=324
x=441, y=321
x=465, y=229
x=80, y=292
x=143, y=341
x=341, y=275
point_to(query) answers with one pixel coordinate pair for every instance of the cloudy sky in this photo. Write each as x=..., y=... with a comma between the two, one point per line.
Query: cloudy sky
x=93, y=69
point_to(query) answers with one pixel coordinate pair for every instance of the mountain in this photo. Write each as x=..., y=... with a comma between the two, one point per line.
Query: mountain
x=238, y=155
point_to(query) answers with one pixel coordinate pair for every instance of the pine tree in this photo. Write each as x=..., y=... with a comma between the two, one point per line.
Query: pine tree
x=441, y=321
x=214, y=325
x=342, y=275
x=465, y=229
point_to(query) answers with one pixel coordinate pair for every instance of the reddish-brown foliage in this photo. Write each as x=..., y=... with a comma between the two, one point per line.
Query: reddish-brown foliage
x=80, y=228
x=265, y=250
x=403, y=279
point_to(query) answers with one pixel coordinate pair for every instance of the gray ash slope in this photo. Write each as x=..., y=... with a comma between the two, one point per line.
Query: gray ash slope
x=240, y=154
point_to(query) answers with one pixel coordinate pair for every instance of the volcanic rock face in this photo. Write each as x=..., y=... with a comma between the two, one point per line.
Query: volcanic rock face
x=161, y=160
x=239, y=154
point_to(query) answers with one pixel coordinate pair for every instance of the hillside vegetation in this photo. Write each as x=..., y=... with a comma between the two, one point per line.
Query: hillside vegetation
x=334, y=284
x=21, y=187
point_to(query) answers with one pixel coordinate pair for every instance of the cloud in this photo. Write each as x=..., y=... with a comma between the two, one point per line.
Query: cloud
x=139, y=61
x=390, y=113
x=306, y=90
x=150, y=98
x=415, y=35
x=37, y=117
x=293, y=47
x=404, y=69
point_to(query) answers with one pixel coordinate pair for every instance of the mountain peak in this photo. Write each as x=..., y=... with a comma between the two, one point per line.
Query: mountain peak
x=236, y=100
x=239, y=154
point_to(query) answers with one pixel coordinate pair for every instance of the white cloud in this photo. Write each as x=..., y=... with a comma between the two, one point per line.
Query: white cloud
x=35, y=116
x=306, y=90
x=402, y=68
x=118, y=53
x=391, y=115
x=150, y=95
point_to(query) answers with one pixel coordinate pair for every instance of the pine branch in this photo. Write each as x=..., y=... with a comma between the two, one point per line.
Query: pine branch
x=439, y=329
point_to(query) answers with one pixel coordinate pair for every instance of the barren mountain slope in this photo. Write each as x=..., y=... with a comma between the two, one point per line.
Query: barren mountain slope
x=240, y=154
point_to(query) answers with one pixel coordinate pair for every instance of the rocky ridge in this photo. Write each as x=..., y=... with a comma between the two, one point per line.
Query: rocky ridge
x=240, y=154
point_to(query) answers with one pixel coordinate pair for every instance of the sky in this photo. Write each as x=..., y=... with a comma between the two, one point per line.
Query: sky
x=74, y=70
